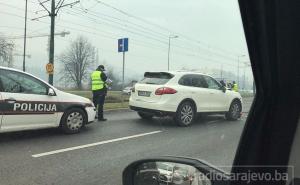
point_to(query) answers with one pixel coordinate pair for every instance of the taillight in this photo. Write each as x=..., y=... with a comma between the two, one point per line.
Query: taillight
x=165, y=90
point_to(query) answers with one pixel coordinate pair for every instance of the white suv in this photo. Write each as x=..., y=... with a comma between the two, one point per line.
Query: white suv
x=182, y=95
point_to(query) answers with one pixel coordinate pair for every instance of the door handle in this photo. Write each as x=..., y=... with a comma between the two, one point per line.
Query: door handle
x=10, y=100
x=211, y=93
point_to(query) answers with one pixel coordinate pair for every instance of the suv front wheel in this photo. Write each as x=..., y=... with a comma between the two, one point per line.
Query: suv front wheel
x=234, y=112
x=185, y=114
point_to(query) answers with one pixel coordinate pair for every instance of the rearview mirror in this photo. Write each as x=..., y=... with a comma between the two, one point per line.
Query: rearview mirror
x=172, y=170
x=51, y=92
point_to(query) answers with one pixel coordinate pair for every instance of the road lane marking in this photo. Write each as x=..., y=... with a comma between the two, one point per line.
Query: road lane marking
x=94, y=144
x=214, y=121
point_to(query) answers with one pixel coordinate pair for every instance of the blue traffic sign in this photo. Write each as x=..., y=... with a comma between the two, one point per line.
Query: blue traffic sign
x=123, y=45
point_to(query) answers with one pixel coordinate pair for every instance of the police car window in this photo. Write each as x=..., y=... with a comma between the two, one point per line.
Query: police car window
x=212, y=84
x=15, y=82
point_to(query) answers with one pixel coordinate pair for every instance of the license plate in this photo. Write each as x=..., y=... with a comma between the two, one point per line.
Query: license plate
x=144, y=93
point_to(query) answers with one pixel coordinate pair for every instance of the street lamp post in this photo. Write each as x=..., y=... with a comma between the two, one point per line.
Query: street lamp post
x=170, y=37
x=238, y=69
x=244, y=78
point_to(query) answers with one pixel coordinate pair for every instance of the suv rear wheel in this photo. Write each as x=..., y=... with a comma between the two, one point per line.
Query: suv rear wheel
x=145, y=116
x=185, y=114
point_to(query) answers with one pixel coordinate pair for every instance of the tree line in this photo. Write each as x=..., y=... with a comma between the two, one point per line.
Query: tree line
x=6, y=52
x=79, y=60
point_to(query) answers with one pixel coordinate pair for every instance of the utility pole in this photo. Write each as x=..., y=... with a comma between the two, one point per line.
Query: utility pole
x=254, y=88
x=222, y=71
x=97, y=58
x=25, y=34
x=52, y=14
x=238, y=69
x=244, y=78
x=169, y=48
x=51, y=53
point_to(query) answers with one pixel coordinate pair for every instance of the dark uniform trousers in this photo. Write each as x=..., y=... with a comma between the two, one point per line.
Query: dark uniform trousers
x=98, y=100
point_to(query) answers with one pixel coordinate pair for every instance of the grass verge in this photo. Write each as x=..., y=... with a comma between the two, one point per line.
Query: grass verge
x=112, y=106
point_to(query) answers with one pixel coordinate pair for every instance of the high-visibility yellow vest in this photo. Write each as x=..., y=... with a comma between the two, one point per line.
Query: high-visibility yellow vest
x=235, y=88
x=97, y=83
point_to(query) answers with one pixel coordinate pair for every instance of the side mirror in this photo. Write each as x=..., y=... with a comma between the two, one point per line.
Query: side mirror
x=223, y=88
x=173, y=170
x=51, y=92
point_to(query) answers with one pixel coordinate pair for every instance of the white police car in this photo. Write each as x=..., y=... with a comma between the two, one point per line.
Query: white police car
x=26, y=103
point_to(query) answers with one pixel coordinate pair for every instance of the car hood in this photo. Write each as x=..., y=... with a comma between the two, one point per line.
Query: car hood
x=68, y=97
x=231, y=92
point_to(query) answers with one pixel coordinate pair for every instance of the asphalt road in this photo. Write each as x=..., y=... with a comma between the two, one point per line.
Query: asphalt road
x=102, y=150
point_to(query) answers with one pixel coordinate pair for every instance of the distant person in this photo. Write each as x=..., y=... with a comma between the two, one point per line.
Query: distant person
x=235, y=86
x=99, y=89
x=229, y=85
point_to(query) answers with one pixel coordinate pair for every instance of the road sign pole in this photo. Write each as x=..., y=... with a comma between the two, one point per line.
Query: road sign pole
x=123, y=74
x=169, y=53
x=123, y=47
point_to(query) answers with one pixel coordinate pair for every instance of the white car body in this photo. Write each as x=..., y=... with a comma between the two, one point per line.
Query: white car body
x=26, y=111
x=127, y=90
x=206, y=100
x=166, y=173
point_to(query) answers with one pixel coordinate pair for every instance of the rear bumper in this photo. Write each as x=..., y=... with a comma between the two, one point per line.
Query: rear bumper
x=152, y=111
x=165, y=104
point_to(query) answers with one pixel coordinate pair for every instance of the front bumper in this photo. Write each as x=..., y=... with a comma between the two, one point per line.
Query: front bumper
x=91, y=113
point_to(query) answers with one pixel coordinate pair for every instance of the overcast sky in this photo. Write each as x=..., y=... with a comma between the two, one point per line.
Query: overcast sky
x=210, y=32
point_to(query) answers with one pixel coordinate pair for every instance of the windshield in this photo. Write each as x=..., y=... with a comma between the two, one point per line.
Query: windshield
x=159, y=77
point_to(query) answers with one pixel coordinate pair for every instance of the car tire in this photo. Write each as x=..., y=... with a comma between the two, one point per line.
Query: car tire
x=73, y=120
x=185, y=114
x=234, y=112
x=145, y=116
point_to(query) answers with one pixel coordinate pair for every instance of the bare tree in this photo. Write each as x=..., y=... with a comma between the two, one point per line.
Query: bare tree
x=6, y=52
x=78, y=61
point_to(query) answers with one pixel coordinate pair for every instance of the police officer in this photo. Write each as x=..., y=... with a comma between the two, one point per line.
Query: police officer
x=235, y=86
x=99, y=89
